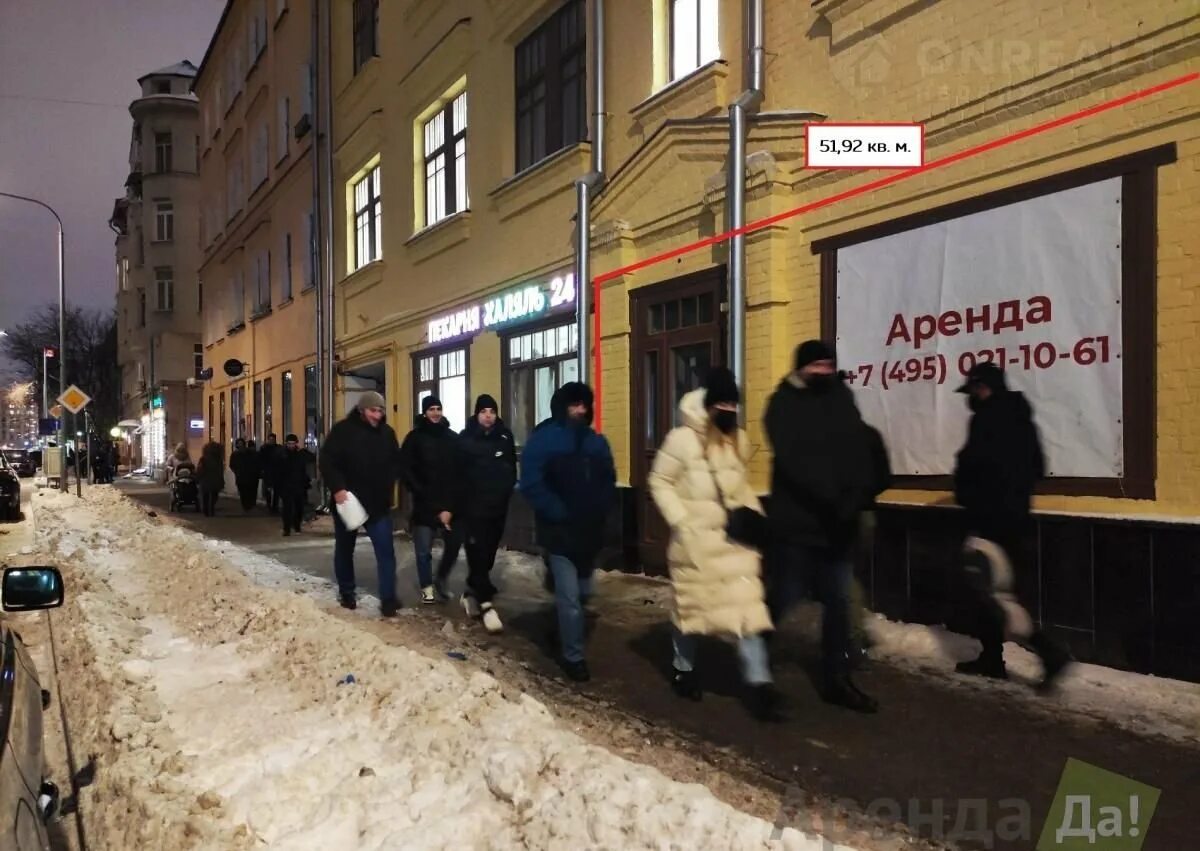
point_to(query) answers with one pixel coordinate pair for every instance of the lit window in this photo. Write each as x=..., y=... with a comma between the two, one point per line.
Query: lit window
x=694, y=25
x=446, y=161
x=368, y=219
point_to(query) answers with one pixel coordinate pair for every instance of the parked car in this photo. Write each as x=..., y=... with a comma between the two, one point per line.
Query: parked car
x=10, y=492
x=22, y=461
x=28, y=800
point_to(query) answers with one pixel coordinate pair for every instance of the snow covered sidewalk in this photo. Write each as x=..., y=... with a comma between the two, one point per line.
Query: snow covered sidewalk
x=220, y=715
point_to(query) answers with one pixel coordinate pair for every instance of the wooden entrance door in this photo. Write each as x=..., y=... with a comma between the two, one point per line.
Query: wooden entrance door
x=678, y=334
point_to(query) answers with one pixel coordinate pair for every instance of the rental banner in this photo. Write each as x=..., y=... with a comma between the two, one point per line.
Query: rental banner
x=1033, y=286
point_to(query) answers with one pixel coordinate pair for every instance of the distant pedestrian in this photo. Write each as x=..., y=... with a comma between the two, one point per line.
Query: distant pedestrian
x=292, y=481
x=360, y=456
x=568, y=478
x=269, y=456
x=243, y=463
x=994, y=479
x=823, y=475
x=486, y=478
x=428, y=470
x=210, y=473
x=698, y=481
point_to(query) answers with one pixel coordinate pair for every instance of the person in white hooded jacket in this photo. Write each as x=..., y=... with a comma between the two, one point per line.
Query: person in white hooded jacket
x=699, y=476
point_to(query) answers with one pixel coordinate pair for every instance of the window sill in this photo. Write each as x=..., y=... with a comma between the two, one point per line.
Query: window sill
x=236, y=328
x=257, y=59
x=439, y=237
x=308, y=288
x=699, y=93
x=260, y=312
x=233, y=103
x=161, y=241
x=285, y=303
x=543, y=179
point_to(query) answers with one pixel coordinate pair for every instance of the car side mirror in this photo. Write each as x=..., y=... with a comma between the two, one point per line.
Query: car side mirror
x=26, y=589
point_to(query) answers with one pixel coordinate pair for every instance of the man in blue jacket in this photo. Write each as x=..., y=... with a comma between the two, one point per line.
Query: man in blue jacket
x=568, y=478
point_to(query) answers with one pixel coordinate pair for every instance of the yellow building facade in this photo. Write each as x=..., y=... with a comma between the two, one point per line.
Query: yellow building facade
x=459, y=135
x=258, y=276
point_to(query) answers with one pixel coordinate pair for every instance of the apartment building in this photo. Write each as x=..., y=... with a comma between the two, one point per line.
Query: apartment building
x=257, y=231
x=18, y=423
x=462, y=129
x=157, y=263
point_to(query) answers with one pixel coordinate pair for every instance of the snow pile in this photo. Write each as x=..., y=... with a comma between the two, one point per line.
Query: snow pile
x=221, y=715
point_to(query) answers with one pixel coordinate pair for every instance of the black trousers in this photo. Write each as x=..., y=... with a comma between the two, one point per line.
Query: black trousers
x=208, y=501
x=272, y=496
x=248, y=491
x=293, y=501
x=482, y=540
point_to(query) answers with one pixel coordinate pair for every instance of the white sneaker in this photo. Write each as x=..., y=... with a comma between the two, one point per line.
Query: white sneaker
x=428, y=597
x=470, y=605
x=491, y=618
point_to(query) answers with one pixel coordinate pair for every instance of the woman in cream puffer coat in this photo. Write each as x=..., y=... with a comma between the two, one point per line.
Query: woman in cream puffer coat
x=699, y=475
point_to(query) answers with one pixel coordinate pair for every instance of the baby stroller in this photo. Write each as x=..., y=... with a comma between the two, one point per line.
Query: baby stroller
x=185, y=490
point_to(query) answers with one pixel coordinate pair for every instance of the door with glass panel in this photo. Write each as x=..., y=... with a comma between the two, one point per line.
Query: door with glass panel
x=444, y=375
x=678, y=335
x=536, y=363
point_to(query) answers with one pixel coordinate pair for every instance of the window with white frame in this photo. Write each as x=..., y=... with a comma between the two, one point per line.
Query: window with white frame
x=445, y=137
x=164, y=289
x=164, y=221
x=693, y=27
x=237, y=300
x=235, y=187
x=262, y=281
x=283, y=110
x=285, y=275
x=366, y=32
x=443, y=374
x=368, y=212
x=125, y=274
x=260, y=155
x=198, y=362
x=536, y=364
x=256, y=31
x=162, y=152
x=308, y=253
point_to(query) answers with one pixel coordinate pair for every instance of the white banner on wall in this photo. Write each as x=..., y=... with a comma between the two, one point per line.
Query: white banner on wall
x=1034, y=286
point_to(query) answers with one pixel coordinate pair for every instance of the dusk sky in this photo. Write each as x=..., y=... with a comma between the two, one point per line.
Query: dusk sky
x=74, y=156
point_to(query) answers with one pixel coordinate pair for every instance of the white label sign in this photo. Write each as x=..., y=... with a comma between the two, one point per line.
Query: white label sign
x=864, y=145
x=1034, y=286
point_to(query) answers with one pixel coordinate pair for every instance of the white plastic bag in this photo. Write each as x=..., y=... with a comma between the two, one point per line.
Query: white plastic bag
x=352, y=513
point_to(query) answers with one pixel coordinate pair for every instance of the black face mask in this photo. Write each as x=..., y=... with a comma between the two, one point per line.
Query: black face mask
x=974, y=403
x=820, y=382
x=726, y=421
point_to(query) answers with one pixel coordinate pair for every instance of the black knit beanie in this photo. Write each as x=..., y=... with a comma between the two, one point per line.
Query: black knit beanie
x=812, y=351
x=428, y=402
x=486, y=401
x=720, y=386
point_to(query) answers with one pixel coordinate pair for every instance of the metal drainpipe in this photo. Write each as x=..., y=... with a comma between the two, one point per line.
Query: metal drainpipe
x=584, y=187
x=327, y=131
x=312, y=246
x=747, y=103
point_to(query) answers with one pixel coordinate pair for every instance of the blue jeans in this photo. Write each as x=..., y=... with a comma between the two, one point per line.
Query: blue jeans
x=796, y=569
x=570, y=593
x=752, y=653
x=423, y=546
x=379, y=531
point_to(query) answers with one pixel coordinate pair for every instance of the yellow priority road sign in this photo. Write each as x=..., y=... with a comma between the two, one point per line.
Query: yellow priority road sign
x=74, y=399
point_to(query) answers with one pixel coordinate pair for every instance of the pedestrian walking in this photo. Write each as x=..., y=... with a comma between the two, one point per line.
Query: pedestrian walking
x=291, y=481
x=994, y=477
x=428, y=470
x=243, y=463
x=360, y=456
x=568, y=478
x=822, y=477
x=210, y=474
x=699, y=483
x=177, y=458
x=487, y=475
x=269, y=456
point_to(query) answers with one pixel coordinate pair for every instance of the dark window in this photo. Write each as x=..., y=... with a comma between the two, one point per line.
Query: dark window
x=222, y=420
x=366, y=32
x=268, y=417
x=551, y=86
x=310, y=405
x=162, y=87
x=210, y=416
x=536, y=363
x=198, y=366
x=446, y=162
x=285, y=402
x=141, y=308
x=258, y=410
x=162, y=152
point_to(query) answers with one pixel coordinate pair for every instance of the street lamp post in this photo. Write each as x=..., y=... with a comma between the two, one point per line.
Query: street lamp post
x=62, y=325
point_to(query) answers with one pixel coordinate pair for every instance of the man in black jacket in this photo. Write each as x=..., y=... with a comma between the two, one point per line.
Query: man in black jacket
x=269, y=456
x=291, y=482
x=360, y=456
x=822, y=477
x=428, y=468
x=994, y=479
x=486, y=477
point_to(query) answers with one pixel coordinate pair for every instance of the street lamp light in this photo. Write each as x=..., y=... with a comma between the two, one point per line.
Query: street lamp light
x=62, y=323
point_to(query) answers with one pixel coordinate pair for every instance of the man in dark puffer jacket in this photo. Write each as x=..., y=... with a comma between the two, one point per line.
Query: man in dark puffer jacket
x=486, y=477
x=429, y=469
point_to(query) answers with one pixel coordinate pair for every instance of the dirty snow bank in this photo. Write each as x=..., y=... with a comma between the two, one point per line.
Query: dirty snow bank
x=216, y=712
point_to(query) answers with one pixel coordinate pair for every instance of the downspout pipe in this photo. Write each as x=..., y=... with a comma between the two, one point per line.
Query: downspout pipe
x=328, y=416
x=746, y=105
x=312, y=247
x=585, y=188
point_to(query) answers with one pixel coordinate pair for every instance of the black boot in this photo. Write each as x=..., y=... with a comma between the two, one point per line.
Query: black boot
x=686, y=684
x=765, y=703
x=348, y=601
x=389, y=608
x=841, y=691
x=1055, y=658
x=984, y=666
x=577, y=671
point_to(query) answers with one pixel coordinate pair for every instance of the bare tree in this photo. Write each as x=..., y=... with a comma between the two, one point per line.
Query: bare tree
x=91, y=356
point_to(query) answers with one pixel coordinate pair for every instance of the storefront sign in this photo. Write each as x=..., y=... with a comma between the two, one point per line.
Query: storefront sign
x=521, y=304
x=196, y=424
